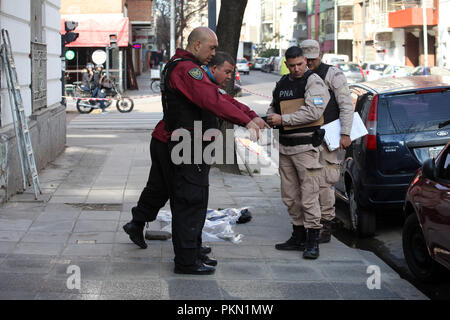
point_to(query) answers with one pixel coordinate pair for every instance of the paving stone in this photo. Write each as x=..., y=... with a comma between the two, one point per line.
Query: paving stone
x=237, y=251
x=53, y=226
x=90, y=250
x=13, y=236
x=244, y=289
x=15, y=225
x=295, y=272
x=25, y=266
x=92, y=238
x=49, y=249
x=131, y=250
x=242, y=270
x=359, y=291
x=16, y=295
x=90, y=270
x=45, y=237
x=57, y=216
x=30, y=283
x=125, y=270
x=63, y=285
x=65, y=296
x=132, y=289
x=189, y=289
x=99, y=215
x=7, y=247
x=96, y=226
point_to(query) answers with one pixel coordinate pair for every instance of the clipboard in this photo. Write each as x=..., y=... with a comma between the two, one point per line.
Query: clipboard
x=332, y=136
x=291, y=106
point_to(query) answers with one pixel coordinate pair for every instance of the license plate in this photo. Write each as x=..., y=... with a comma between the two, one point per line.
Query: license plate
x=434, y=151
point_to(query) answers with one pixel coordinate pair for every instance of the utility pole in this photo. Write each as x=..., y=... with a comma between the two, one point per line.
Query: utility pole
x=172, y=27
x=212, y=15
x=425, y=35
x=335, y=26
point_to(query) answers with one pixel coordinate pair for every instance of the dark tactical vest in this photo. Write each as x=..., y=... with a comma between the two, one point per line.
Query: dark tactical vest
x=331, y=112
x=180, y=112
x=287, y=89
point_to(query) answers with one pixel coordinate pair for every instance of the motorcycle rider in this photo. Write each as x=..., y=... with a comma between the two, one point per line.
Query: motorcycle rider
x=88, y=77
x=99, y=74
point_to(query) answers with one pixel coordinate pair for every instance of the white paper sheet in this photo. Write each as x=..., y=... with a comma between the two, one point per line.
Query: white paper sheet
x=333, y=131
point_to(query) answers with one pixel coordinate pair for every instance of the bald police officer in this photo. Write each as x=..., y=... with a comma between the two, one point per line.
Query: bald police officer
x=299, y=100
x=339, y=107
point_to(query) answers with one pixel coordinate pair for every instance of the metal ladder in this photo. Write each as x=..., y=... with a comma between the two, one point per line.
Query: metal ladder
x=29, y=170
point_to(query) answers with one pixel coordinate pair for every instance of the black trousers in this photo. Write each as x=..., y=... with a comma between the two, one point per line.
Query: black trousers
x=155, y=194
x=189, y=187
x=188, y=203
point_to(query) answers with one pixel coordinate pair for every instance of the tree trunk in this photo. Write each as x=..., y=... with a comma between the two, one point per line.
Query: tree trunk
x=228, y=33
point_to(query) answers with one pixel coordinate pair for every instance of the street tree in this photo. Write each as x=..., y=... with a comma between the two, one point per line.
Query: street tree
x=186, y=12
x=228, y=33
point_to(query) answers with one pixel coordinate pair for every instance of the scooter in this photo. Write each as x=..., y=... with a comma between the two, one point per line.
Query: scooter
x=123, y=104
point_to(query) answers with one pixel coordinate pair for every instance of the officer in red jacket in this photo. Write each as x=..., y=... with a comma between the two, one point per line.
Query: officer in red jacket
x=190, y=96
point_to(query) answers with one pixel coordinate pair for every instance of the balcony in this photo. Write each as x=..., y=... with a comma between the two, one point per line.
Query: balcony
x=410, y=14
x=300, y=32
x=300, y=6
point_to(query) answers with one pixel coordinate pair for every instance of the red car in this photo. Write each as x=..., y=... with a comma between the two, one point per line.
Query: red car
x=426, y=233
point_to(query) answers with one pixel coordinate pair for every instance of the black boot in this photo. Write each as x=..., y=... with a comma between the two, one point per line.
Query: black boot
x=296, y=241
x=136, y=232
x=325, y=232
x=207, y=260
x=312, y=244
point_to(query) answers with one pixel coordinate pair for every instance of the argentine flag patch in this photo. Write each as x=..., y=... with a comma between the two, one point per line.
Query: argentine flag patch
x=318, y=101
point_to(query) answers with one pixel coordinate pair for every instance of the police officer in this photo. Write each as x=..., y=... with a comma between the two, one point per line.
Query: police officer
x=297, y=107
x=189, y=96
x=339, y=107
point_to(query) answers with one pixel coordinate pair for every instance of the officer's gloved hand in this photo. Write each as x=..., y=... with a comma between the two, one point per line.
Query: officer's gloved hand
x=254, y=130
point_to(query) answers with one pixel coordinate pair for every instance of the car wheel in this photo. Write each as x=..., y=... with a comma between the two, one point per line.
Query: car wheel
x=363, y=221
x=416, y=253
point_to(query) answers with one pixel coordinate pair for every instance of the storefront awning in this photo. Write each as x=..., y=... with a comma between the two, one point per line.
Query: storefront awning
x=95, y=31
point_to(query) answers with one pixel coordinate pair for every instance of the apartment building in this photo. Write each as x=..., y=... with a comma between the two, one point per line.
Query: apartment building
x=33, y=27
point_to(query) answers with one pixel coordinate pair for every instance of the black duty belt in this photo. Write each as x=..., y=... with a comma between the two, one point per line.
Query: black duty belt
x=285, y=141
x=316, y=139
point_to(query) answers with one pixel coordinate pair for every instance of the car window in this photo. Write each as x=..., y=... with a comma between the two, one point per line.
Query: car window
x=413, y=112
x=242, y=61
x=348, y=67
x=389, y=70
x=378, y=66
x=364, y=66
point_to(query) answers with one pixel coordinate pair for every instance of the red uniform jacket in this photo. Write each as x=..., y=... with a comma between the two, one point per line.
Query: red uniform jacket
x=203, y=93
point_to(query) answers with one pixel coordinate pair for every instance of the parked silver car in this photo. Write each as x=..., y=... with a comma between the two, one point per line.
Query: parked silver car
x=242, y=66
x=373, y=70
x=259, y=62
x=397, y=71
x=352, y=71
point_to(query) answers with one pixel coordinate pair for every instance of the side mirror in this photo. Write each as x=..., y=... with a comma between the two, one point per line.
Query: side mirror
x=429, y=169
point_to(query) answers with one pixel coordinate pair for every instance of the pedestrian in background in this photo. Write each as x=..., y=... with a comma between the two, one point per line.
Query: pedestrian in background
x=339, y=107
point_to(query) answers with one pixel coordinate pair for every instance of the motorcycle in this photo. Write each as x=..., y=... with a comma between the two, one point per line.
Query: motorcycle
x=123, y=104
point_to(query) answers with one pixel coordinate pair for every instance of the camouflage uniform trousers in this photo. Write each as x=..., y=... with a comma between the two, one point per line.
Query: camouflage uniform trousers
x=300, y=180
x=330, y=176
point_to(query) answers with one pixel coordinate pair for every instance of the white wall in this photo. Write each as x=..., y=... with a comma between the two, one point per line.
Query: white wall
x=15, y=17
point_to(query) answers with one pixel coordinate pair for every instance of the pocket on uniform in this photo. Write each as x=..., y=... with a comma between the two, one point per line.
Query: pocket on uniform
x=332, y=172
x=311, y=159
x=192, y=183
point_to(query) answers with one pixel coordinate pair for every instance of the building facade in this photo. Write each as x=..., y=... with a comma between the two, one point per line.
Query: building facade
x=111, y=27
x=34, y=29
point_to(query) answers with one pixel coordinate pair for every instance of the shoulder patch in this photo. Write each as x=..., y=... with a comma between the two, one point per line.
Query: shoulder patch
x=318, y=101
x=196, y=73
